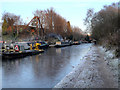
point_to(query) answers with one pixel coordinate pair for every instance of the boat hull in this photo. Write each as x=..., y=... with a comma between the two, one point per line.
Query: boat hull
x=62, y=45
x=14, y=55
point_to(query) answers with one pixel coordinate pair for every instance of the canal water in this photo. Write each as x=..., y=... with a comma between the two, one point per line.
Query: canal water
x=44, y=70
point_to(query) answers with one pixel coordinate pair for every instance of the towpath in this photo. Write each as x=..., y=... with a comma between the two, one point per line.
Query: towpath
x=98, y=71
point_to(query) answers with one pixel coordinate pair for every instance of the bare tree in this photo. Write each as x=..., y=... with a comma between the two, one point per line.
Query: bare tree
x=104, y=24
x=88, y=19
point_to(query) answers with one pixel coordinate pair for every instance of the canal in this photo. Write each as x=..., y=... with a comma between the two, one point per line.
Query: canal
x=44, y=70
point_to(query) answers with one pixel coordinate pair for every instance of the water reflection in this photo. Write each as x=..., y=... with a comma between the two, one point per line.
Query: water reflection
x=43, y=70
x=58, y=50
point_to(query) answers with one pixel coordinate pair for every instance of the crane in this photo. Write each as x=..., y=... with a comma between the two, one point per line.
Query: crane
x=40, y=30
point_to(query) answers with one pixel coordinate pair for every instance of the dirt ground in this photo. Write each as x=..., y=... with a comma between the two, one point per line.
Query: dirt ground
x=98, y=71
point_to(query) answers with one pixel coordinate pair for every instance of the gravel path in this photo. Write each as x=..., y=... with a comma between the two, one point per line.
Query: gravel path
x=98, y=71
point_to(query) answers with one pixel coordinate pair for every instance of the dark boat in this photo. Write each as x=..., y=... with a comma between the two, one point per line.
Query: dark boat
x=14, y=55
x=76, y=42
x=43, y=45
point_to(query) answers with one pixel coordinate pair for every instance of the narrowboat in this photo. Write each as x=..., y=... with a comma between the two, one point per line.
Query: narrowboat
x=62, y=44
x=76, y=42
x=19, y=51
x=14, y=55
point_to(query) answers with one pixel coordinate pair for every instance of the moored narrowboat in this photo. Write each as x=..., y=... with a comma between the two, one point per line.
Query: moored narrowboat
x=19, y=51
x=62, y=44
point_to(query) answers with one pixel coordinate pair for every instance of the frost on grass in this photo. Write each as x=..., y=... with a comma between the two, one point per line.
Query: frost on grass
x=88, y=75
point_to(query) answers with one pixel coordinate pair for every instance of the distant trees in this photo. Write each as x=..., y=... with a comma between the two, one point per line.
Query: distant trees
x=77, y=33
x=4, y=27
x=104, y=24
x=69, y=30
x=9, y=22
x=54, y=23
x=45, y=22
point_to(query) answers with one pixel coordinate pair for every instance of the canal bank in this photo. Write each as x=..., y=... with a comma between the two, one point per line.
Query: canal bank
x=99, y=70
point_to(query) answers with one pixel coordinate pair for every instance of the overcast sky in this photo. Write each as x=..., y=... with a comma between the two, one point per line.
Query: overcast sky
x=72, y=10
